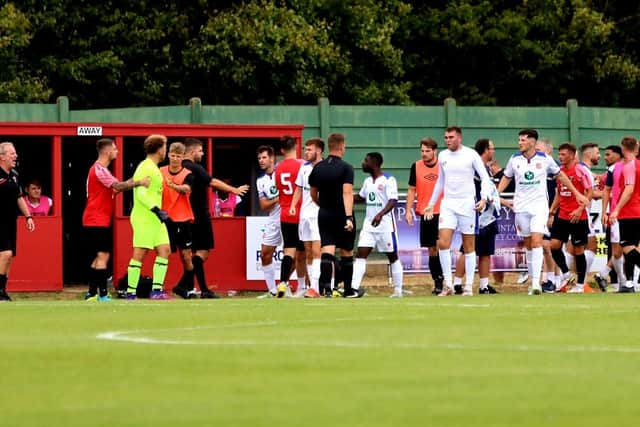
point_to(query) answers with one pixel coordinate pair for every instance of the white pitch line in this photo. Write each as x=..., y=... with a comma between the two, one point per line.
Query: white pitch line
x=126, y=336
x=123, y=337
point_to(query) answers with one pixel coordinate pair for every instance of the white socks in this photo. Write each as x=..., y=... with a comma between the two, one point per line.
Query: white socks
x=469, y=269
x=396, y=273
x=359, y=268
x=484, y=282
x=445, y=263
x=590, y=256
x=314, y=274
x=270, y=277
x=536, y=266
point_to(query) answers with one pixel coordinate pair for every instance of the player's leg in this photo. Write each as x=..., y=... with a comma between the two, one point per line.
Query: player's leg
x=388, y=243
x=346, y=242
x=429, y=239
x=271, y=238
x=161, y=262
x=6, y=256
x=365, y=246
x=485, y=248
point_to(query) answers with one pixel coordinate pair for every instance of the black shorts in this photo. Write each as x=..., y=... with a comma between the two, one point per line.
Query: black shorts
x=332, y=233
x=563, y=228
x=629, y=232
x=202, y=232
x=8, y=236
x=429, y=231
x=486, y=240
x=98, y=239
x=180, y=235
x=290, y=237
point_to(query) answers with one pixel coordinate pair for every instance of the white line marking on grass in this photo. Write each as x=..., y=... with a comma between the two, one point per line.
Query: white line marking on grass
x=124, y=337
x=130, y=337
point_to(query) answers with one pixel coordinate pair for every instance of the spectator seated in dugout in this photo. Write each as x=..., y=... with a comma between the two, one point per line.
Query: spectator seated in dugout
x=37, y=204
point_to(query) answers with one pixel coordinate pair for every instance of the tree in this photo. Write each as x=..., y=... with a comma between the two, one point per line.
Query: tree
x=17, y=84
x=277, y=52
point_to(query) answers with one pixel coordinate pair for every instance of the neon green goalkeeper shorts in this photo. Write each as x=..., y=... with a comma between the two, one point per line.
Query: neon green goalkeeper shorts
x=149, y=235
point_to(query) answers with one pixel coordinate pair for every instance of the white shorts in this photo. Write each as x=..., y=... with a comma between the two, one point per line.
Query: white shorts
x=527, y=223
x=308, y=230
x=463, y=218
x=271, y=235
x=614, y=234
x=381, y=241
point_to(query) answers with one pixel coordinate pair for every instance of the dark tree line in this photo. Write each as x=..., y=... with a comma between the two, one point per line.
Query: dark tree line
x=482, y=52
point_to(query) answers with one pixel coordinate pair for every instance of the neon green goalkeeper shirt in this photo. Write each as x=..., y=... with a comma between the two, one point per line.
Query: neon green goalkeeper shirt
x=146, y=198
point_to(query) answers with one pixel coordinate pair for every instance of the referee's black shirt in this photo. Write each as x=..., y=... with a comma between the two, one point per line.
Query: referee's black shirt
x=328, y=176
x=200, y=187
x=9, y=194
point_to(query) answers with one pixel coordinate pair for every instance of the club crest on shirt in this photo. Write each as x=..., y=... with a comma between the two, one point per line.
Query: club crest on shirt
x=538, y=165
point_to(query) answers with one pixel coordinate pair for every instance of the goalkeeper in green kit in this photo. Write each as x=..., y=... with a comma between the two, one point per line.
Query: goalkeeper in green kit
x=147, y=221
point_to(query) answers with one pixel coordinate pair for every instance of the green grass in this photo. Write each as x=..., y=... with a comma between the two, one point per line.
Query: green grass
x=561, y=360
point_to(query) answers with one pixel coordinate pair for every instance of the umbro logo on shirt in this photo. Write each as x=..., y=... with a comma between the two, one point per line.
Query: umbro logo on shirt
x=431, y=177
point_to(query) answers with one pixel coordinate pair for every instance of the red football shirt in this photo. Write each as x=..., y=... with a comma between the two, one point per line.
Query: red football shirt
x=581, y=178
x=631, y=176
x=100, y=202
x=285, y=177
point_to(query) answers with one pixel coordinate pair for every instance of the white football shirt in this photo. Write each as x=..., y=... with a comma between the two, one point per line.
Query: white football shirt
x=457, y=170
x=530, y=194
x=377, y=194
x=309, y=209
x=267, y=189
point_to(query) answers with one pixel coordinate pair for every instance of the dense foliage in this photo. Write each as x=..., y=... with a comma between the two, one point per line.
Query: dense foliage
x=481, y=52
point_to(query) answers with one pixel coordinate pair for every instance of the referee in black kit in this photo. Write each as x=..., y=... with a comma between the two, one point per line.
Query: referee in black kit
x=331, y=182
x=11, y=202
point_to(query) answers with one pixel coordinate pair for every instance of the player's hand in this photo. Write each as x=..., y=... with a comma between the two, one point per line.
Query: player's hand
x=428, y=213
x=145, y=182
x=376, y=220
x=480, y=205
x=581, y=198
x=163, y=216
x=613, y=217
x=408, y=216
x=31, y=225
x=604, y=219
x=242, y=190
x=349, y=224
x=292, y=211
x=574, y=216
x=550, y=221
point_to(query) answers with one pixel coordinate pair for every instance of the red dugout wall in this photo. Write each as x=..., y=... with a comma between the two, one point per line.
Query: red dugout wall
x=39, y=263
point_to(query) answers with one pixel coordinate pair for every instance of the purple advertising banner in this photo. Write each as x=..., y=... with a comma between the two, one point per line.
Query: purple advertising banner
x=509, y=255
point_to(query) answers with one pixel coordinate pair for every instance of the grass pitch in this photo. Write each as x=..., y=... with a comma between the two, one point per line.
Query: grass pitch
x=504, y=360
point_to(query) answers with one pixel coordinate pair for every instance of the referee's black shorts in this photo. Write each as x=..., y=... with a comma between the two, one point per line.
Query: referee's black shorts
x=202, y=233
x=8, y=236
x=333, y=233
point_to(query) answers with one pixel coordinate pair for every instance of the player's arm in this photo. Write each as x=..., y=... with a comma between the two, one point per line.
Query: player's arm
x=130, y=184
x=437, y=190
x=313, y=191
x=295, y=199
x=562, y=177
x=411, y=195
x=221, y=185
x=504, y=183
x=267, y=204
x=391, y=204
x=553, y=209
x=485, y=181
x=24, y=210
x=180, y=188
x=606, y=195
x=347, y=199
